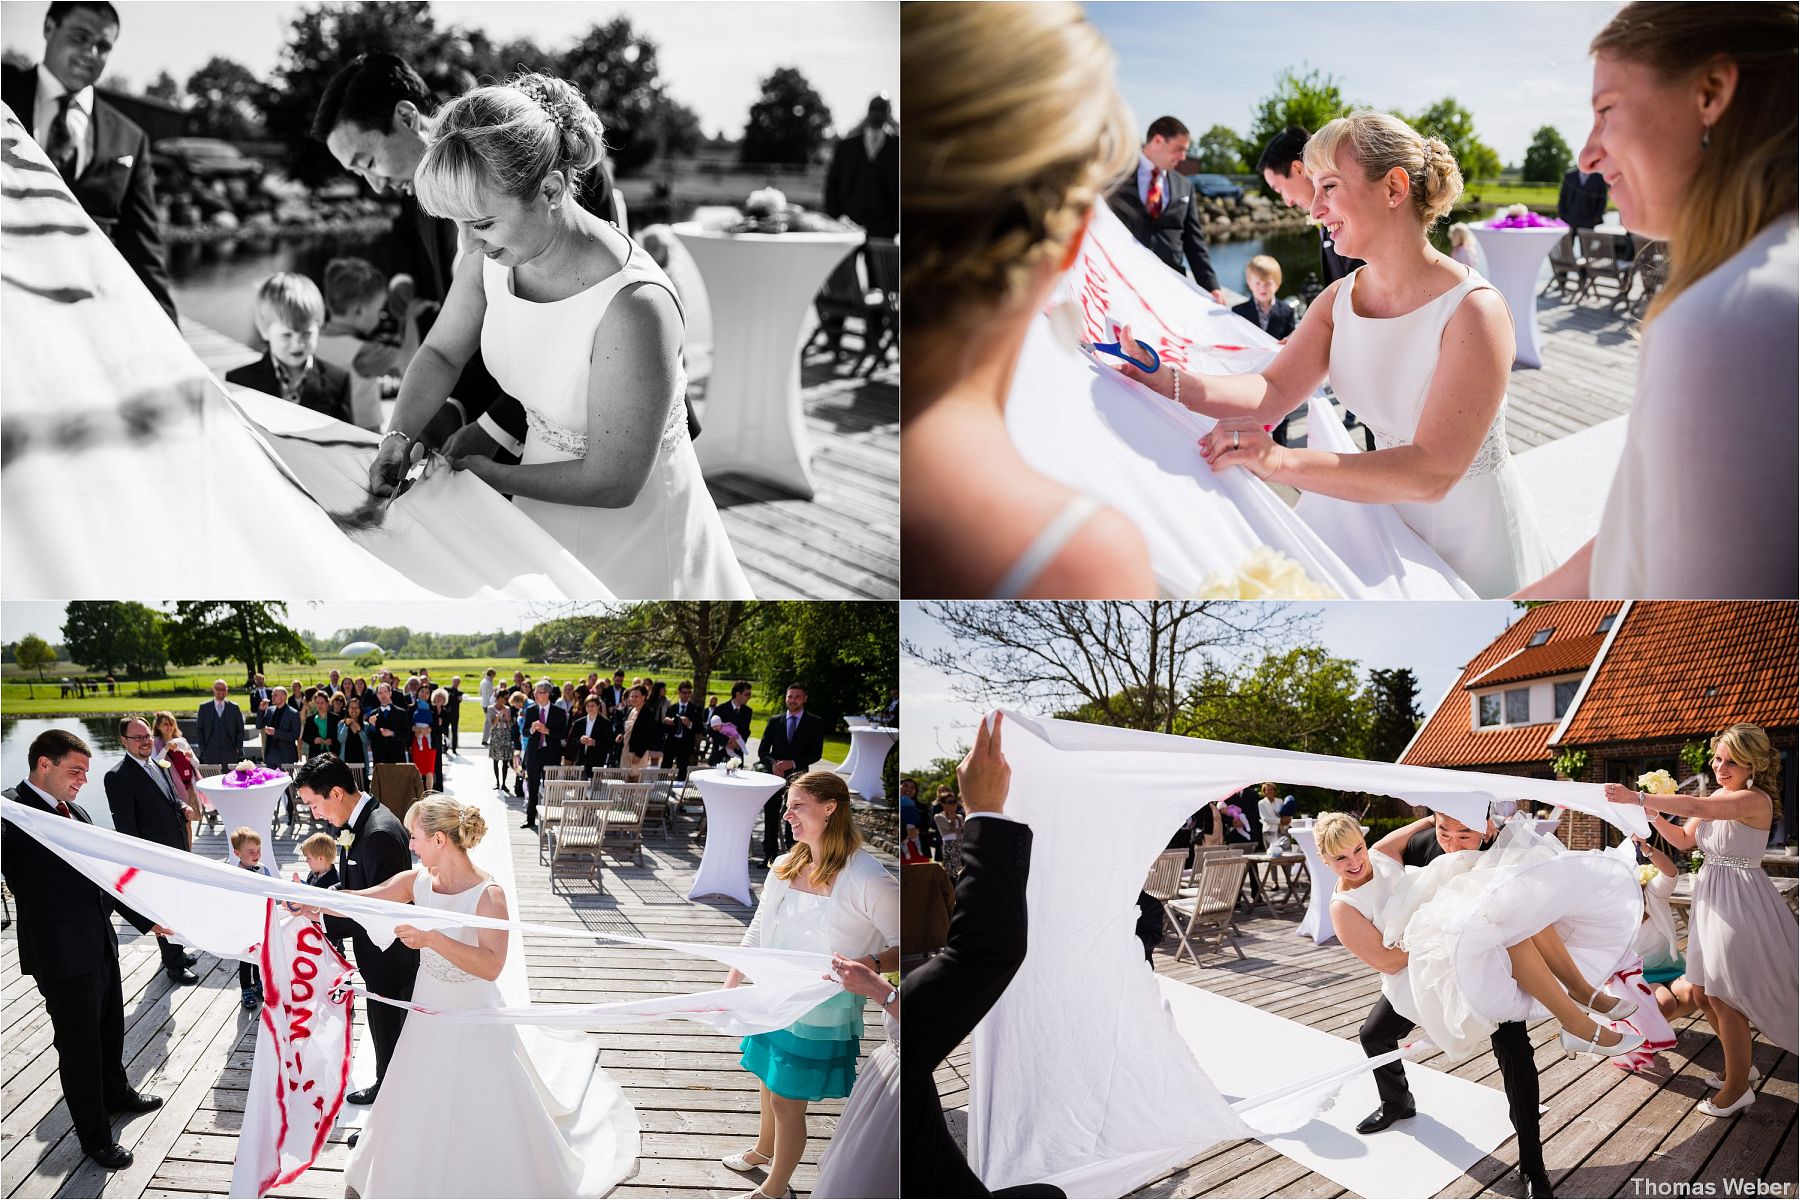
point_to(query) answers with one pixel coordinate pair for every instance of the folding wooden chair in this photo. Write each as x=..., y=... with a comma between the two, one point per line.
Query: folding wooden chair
x=1211, y=913
x=560, y=772
x=623, y=831
x=1164, y=884
x=1566, y=273
x=1601, y=263
x=574, y=842
x=555, y=795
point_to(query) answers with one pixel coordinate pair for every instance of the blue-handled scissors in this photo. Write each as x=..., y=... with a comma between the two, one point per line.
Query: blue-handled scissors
x=1117, y=350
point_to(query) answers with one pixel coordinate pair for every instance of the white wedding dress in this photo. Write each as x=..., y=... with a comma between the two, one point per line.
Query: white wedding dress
x=1456, y=916
x=1381, y=370
x=669, y=543
x=484, y=1110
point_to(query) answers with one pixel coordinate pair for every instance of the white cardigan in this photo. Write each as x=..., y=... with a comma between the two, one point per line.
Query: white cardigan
x=865, y=908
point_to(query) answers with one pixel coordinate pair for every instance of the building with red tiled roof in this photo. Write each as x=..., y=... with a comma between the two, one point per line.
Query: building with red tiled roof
x=1618, y=689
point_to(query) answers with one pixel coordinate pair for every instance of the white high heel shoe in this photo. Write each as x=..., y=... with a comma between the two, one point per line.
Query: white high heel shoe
x=1717, y=1082
x=1739, y=1105
x=741, y=1162
x=1619, y=1010
x=1627, y=1042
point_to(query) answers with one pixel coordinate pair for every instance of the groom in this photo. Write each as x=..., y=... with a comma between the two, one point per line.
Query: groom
x=376, y=851
x=1432, y=837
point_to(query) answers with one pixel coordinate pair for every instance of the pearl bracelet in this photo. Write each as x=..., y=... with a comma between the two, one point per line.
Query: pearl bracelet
x=1176, y=372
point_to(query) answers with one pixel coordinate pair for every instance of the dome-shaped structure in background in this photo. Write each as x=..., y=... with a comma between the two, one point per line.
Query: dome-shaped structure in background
x=358, y=649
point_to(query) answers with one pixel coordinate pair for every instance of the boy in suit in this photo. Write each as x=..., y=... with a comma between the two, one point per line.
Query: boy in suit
x=1262, y=276
x=289, y=313
x=320, y=852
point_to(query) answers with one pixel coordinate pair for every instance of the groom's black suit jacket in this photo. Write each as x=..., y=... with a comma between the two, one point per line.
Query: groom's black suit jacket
x=984, y=950
x=1175, y=234
x=378, y=854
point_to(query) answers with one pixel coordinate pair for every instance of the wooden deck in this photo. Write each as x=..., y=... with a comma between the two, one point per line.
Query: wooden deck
x=193, y=1045
x=843, y=544
x=1603, y=1129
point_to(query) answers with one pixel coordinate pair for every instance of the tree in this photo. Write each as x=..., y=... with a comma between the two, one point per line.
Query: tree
x=699, y=633
x=616, y=68
x=788, y=122
x=531, y=647
x=252, y=632
x=846, y=653
x=1548, y=158
x=1129, y=664
x=106, y=634
x=1395, y=694
x=33, y=653
x=227, y=100
x=1298, y=698
x=164, y=87
x=1219, y=152
x=1308, y=100
x=1456, y=126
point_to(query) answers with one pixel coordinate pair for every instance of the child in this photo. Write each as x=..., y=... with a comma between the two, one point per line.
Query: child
x=1653, y=953
x=246, y=843
x=1263, y=277
x=289, y=311
x=1462, y=246
x=320, y=853
x=362, y=335
x=423, y=756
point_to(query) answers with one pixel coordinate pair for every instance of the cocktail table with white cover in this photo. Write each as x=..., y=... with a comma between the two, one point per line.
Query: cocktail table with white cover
x=848, y=766
x=760, y=286
x=869, y=748
x=252, y=806
x=732, y=802
x=1317, y=922
x=1513, y=259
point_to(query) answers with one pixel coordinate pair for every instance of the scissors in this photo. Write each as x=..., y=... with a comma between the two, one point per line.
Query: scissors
x=1117, y=351
x=415, y=471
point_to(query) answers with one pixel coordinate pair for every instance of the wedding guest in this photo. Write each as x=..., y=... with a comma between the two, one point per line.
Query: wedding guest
x=1742, y=950
x=1462, y=246
x=864, y=1153
x=168, y=745
x=912, y=850
x=909, y=803
x=321, y=727
x=731, y=724
x=441, y=726
x=545, y=729
x=69, y=946
x=353, y=338
x=140, y=792
x=1283, y=167
x=516, y=712
x=102, y=156
x=826, y=895
x=246, y=845
x=488, y=689
x=1694, y=130
x=863, y=181
x=320, y=851
x=791, y=743
x=566, y=699
x=972, y=284
x=281, y=731
x=421, y=754
x=1422, y=349
x=1162, y=209
x=353, y=740
x=1262, y=276
x=221, y=727
x=949, y=822
x=389, y=726
x=658, y=706
x=1581, y=204
x=289, y=312
x=588, y=736
x=453, y=712
x=498, y=738
x=682, y=722
x=635, y=737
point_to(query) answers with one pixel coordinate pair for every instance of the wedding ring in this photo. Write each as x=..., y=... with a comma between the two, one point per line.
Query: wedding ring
x=1234, y=439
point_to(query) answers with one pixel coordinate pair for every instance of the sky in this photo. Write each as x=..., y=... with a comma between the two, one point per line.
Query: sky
x=45, y=617
x=1434, y=639
x=713, y=55
x=1514, y=66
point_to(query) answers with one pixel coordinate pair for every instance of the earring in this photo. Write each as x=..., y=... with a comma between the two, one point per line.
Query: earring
x=1706, y=139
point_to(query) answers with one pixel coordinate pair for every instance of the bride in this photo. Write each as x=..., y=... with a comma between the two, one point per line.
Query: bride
x=574, y=319
x=1417, y=345
x=465, y=1110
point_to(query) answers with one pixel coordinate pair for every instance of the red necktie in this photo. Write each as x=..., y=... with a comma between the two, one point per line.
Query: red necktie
x=64, y=810
x=62, y=149
x=1153, y=200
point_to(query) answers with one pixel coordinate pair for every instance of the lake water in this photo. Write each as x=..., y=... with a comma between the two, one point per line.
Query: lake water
x=100, y=732
x=216, y=284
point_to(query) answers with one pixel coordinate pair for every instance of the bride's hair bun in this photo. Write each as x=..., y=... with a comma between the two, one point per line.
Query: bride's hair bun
x=471, y=827
x=463, y=824
x=1443, y=181
x=507, y=138
x=1380, y=142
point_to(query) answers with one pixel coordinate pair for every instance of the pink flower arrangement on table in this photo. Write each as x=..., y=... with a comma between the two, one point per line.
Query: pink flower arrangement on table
x=1520, y=217
x=247, y=775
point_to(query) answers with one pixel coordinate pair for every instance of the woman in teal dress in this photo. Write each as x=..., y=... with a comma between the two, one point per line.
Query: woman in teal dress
x=830, y=896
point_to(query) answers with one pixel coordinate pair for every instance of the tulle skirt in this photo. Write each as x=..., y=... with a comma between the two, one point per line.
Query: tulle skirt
x=815, y=1057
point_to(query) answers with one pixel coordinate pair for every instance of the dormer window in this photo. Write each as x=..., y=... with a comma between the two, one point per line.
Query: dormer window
x=1606, y=622
x=1539, y=638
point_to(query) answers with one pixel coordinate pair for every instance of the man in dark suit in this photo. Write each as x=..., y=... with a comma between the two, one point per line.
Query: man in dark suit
x=735, y=712
x=863, y=181
x=281, y=728
x=1582, y=202
x=378, y=851
x=589, y=736
x=616, y=712
x=1427, y=839
x=390, y=727
x=1283, y=168
x=684, y=721
x=103, y=156
x=141, y=795
x=221, y=728
x=791, y=743
x=1161, y=209
x=546, y=731
x=984, y=950
x=68, y=945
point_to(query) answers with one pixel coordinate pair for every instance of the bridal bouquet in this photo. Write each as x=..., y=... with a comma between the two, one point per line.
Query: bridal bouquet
x=1647, y=872
x=247, y=774
x=1265, y=574
x=1656, y=783
x=1519, y=217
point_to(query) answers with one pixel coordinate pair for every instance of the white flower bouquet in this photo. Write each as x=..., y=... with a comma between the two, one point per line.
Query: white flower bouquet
x=1656, y=783
x=1264, y=574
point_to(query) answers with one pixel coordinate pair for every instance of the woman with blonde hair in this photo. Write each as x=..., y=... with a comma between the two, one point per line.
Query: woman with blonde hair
x=830, y=896
x=994, y=216
x=574, y=319
x=167, y=745
x=1417, y=345
x=1694, y=131
x=1742, y=945
x=465, y=1109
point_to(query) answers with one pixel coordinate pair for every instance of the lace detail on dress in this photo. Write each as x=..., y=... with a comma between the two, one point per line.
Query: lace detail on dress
x=564, y=440
x=441, y=968
x=1490, y=456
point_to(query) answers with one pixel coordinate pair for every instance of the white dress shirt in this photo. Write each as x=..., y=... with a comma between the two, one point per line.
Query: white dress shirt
x=81, y=113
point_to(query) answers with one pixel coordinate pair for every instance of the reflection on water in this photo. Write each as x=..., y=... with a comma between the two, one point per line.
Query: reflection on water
x=100, y=732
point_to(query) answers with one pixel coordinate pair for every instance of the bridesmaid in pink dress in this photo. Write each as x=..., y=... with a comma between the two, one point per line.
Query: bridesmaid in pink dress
x=1742, y=939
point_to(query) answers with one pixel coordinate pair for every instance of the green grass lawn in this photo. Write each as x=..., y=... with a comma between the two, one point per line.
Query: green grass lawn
x=1535, y=195
x=21, y=695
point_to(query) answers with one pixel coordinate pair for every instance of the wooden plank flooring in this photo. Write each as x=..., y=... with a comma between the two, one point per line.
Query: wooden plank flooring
x=1603, y=1129
x=193, y=1045
x=843, y=544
